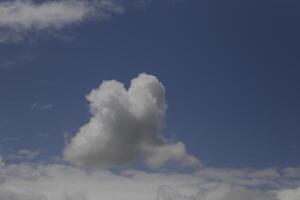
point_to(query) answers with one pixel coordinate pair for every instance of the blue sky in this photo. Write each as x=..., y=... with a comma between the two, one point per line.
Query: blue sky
x=230, y=69
x=149, y=100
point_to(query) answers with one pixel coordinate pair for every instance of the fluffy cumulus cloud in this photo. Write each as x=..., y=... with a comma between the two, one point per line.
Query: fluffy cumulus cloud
x=19, y=17
x=126, y=127
x=25, y=181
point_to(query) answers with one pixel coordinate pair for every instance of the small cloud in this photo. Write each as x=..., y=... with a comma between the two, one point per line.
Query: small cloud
x=35, y=105
x=38, y=106
x=46, y=107
x=7, y=64
x=43, y=135
x=10, y=139
x=17, y=60
x=24, y=154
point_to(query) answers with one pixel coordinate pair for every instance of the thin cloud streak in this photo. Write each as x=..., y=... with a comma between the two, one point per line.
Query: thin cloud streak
x=24, y=154
x=38, y=106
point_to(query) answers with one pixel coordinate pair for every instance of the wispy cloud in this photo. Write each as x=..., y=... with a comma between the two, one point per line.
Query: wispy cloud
x=10, y=139
x=43, y=135
x=16, y=60
x=24, y=154
x=19, y=18
x=39, y=106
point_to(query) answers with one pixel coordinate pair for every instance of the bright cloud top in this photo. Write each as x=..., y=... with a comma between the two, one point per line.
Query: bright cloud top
x=18, y=17
x=125, y=127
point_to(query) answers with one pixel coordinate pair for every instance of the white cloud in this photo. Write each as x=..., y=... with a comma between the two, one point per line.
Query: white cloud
x=20, y=17
x=125, y=127
x=63, y=182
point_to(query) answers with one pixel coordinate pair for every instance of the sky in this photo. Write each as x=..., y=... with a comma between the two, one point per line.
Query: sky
x=175, y=99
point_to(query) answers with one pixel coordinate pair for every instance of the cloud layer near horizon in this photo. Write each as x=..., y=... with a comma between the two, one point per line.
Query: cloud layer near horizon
x=20, y=17
x=125, y=127
x=25, y=181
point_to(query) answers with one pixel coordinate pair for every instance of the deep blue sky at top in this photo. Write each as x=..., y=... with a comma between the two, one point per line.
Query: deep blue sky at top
x=231, y=70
